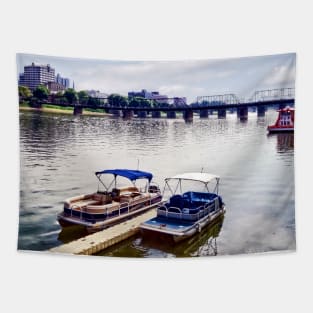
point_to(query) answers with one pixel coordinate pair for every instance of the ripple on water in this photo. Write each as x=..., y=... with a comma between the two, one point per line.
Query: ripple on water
x=59, y=155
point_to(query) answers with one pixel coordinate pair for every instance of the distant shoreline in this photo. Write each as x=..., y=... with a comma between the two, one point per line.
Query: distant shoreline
x=62, y=111
x=69, y=111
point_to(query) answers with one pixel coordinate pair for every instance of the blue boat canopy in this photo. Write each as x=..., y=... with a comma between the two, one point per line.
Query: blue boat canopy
x=130, y=174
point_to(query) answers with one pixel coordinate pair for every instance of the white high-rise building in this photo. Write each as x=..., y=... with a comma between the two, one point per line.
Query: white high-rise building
x=35, y=75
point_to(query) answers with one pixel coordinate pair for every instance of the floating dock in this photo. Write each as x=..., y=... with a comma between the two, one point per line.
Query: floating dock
x=103, y=239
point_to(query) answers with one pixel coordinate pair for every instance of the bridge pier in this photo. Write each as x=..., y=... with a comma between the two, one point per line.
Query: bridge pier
x=242, y=113
x=204, y=113
x=261, y=110
x=171, y=114
x=142, y=114
x=128, y=114
x=221, y=113
x=156, y=114
x=77, y=110
x=188, y=115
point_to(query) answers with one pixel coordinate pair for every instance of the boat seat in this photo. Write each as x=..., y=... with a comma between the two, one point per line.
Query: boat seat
x=128, y=189
x=176, y=201
x=106, y=208
x=197, y=199
x=102, y=198
x=84, y=202
x=134, y=198
x=199, y=196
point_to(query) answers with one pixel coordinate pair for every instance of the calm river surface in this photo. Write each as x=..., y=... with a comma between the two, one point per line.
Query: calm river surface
x=60, y=153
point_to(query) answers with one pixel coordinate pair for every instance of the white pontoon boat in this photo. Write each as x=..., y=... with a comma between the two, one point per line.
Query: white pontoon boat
x=185, y=214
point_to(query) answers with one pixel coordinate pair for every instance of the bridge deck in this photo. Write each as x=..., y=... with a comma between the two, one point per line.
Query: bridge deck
x=183, y=108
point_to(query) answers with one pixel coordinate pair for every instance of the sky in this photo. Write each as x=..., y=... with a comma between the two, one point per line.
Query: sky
x=183, y=78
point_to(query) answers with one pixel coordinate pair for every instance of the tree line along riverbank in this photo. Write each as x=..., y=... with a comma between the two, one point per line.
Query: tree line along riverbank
x=51, y=108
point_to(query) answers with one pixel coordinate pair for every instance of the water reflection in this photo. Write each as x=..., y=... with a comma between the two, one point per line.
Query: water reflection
x=71, y=233
x=285, y=142
x=60, y=153
x=201, y=244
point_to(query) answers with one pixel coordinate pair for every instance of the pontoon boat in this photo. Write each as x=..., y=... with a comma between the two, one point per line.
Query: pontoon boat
x=106, y=207
x=185, y=214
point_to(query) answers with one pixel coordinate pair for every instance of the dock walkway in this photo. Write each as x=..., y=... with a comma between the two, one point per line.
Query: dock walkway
x=101, y=240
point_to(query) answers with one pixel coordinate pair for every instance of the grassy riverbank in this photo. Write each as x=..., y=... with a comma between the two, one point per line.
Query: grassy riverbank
x=50, y=108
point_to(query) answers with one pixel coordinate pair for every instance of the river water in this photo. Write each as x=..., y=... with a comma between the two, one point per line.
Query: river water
x=59, y=154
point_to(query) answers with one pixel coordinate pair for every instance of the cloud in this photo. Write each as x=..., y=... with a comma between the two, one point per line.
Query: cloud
x=188, y=78
x=281, y=75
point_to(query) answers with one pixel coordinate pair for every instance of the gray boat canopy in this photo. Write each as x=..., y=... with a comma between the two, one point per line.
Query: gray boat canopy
x=201, y=177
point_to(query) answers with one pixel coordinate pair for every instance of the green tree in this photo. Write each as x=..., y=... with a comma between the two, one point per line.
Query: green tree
x=59, y=97
x=24, y=92
x=139, y=102
x=83, y=97
x=59, y=93
x=155, y=104
x=145, y=103
x=71, y=95
x=123, y=101
x=93, y=102
x=134, y=103
x=116, y=100
x=41, y=92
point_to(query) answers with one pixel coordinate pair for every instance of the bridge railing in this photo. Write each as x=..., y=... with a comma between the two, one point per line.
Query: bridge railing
x=274, y=94
x=230, y=99
x=218, y=99
x=258, y=96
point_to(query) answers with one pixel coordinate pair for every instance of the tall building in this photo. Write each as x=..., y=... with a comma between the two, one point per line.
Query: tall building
x=35, y=75
x=62, y=81
x=21, y=79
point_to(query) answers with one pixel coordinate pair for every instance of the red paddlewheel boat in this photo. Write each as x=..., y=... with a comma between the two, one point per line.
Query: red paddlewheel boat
x=285, y=121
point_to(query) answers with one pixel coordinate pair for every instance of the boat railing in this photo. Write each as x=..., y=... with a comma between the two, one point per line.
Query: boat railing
x=122, y=206
x=174, y=214
x=164, y=211
x=202, y=211
x=208, y=206
x=80, y=209
x=216, y=204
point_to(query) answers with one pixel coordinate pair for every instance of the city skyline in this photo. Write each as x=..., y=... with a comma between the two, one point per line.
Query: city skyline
x=187, y=78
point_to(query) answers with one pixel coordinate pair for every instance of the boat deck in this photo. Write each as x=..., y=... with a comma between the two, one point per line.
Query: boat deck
x=173, y=224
